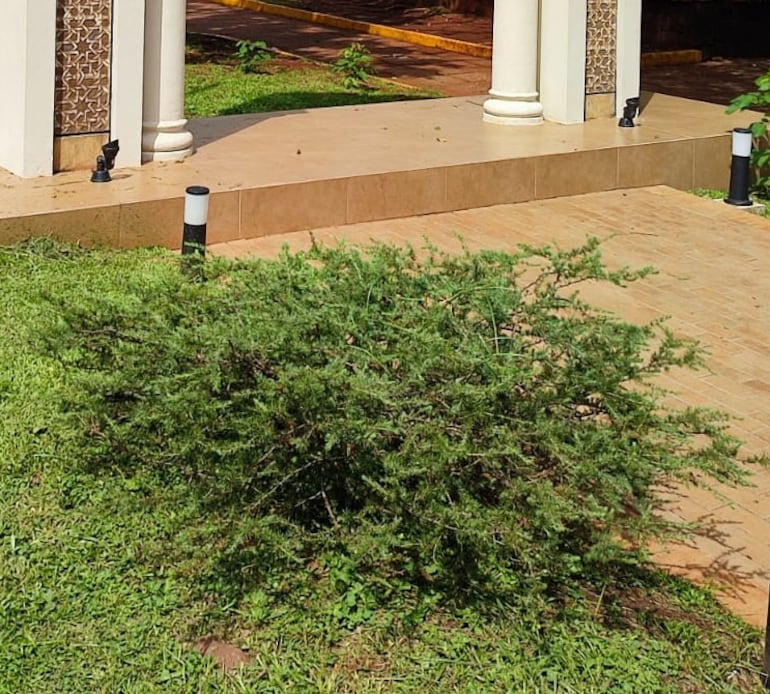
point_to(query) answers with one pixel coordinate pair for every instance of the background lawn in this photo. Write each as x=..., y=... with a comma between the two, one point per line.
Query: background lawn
x=216, y=86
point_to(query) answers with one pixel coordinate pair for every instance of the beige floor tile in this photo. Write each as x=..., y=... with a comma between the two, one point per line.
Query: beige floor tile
x=245, y=153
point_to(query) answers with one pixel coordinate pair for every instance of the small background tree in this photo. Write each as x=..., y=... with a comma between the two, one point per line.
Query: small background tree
x=758, y=100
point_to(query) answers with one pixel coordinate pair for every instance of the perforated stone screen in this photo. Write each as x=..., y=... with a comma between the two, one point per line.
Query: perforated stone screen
x=601, y=46
x=83, y=58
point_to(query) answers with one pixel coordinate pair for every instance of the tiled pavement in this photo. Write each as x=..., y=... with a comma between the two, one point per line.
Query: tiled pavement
x=714, y=283
x=273, y=173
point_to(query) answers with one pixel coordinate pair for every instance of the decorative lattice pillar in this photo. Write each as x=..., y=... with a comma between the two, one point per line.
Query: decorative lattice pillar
x=514, y=96
x=164, y=128
x=83, y=81
x=601, y=58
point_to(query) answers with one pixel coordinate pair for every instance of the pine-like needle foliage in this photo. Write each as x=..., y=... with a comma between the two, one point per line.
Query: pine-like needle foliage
x=466, y=423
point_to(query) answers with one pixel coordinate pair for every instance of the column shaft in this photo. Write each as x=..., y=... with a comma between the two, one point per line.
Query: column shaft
x=514, y=97
x=164, y=128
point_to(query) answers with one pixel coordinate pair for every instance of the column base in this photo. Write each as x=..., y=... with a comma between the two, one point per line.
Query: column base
x=512, y=111
x=167, y=156
x=167, y=141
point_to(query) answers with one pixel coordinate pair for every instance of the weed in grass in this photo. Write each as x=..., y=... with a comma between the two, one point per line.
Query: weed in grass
x=356, y=66
x=253, y=56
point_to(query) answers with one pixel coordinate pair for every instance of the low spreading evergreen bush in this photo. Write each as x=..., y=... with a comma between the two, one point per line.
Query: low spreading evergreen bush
x=464, y=423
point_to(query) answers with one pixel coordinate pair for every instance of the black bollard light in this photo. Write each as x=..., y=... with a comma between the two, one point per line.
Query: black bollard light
x=196, y=213
x=740, y=171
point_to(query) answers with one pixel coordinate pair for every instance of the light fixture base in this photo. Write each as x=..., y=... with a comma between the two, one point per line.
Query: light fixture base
x=101, y=173
x=738, y=202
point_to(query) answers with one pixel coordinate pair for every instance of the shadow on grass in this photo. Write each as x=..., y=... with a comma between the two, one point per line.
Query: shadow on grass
x=305, y=100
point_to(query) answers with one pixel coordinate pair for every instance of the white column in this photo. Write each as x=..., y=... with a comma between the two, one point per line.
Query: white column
x=27, y=56
x=165, y=135
x=514, y=64
x=563, y=60
x=629, y=52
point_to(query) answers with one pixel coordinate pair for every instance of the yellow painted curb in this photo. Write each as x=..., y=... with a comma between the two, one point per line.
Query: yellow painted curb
x=684, y=57
x=429, y=40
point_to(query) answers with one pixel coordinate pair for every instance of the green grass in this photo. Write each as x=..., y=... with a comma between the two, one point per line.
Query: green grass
x=709, y=193
x=215, y=86
x=106, y=577
x=713, y=194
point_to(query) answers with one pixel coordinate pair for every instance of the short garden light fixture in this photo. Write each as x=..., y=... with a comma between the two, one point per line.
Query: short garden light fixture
x=196, y=213
x=105, y=162
x=739, y=168
x=629, y=112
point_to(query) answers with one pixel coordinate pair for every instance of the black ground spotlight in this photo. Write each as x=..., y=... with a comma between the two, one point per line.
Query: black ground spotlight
x=105, y=162
x=740, y=171
x=629, y=112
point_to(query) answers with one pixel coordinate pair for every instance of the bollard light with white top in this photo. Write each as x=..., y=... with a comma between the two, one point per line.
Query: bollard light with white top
x=740, y=171
x=196, y=213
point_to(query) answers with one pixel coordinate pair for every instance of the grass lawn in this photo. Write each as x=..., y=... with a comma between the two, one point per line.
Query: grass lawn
x=713, y=194
x=109, y=573
x=215, y=86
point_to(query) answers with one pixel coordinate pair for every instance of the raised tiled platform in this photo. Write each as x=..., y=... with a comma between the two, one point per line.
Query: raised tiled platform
x=281, y=172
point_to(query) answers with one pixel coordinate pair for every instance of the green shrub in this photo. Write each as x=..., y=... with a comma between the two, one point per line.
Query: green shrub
x=760, y=156
x=464, y=423
x=252, y=56
x=356, y=66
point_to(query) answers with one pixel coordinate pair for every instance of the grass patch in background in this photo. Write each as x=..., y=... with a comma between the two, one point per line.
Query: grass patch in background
x=215, y=86
x=109, y=571
x=713, y=194
x=709, y=193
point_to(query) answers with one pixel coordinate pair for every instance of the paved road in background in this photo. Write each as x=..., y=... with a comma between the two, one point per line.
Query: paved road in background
x=454, y=74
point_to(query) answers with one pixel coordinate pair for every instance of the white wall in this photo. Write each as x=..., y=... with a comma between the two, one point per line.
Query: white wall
x=563, y=59
x=127, y=79
x=27, y=46
x=629, y=51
